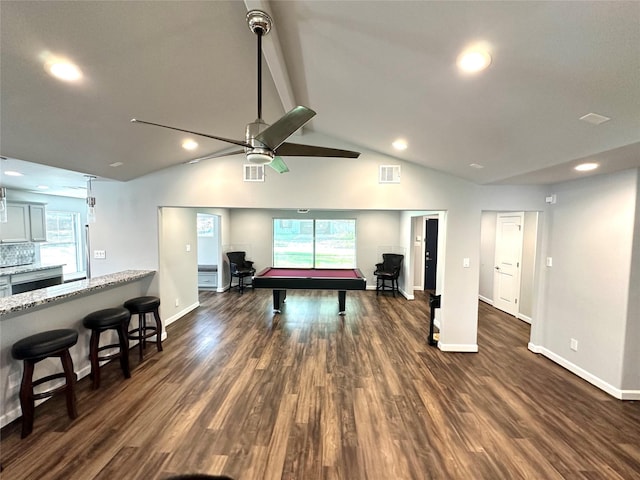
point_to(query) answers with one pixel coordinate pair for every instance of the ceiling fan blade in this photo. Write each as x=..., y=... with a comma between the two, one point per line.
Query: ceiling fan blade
x=277, y=133
x=222, y=139
x=298, y=150
x=222, y=153
x=278, y=165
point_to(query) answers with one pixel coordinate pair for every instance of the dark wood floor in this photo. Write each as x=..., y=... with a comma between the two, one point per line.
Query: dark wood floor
x=311, y=395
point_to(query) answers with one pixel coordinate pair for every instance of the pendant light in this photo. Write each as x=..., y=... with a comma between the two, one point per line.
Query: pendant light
x=3, y=197
x=91, y=200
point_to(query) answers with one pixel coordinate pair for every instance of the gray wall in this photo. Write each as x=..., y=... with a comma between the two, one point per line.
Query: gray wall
x=527, y=276
x=586, y=294
x=178, y=242
x=631, y=357
x=487, y=255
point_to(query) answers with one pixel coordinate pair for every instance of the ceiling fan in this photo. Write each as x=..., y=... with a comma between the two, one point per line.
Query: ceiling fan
x=265, y=144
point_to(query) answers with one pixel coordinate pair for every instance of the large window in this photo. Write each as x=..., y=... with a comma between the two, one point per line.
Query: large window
x=63, y=241
x=314, y=243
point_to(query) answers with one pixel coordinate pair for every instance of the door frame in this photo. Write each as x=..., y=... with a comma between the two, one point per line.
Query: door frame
x=518, y=276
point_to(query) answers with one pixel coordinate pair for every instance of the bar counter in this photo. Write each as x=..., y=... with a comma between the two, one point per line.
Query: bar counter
x=58, y=293
x=61, y=306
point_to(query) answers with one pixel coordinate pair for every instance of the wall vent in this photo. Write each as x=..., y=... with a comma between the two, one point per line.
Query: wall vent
x=389, y=174
x=253, y=173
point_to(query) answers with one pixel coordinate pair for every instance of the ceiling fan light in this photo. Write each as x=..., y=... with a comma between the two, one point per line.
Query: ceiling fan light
x=260, y=158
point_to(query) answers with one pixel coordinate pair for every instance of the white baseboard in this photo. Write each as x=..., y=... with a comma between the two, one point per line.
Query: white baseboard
x=180, y=314
x=524, y=318
x=406, y=295
x=485, y=300
x=587, y=376
x=458, y=347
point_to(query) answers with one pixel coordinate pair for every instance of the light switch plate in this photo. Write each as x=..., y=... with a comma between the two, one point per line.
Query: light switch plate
x=466, y=263
x=100, y=254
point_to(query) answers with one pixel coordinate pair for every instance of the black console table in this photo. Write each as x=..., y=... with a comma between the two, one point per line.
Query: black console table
x=434, y=302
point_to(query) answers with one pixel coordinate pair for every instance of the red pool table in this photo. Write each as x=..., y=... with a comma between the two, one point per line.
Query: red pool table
x=283, y=279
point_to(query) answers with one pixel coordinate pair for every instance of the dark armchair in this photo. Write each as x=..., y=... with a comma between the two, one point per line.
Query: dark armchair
x=388, y=271
x=240, y=268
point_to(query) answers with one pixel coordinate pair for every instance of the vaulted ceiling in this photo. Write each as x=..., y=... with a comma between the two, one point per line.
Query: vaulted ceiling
x=373, y=71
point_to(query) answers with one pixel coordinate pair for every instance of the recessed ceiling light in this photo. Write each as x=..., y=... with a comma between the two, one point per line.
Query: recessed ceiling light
x=474, y=59
x=116, y=164
x=189, y=144
x=594, y=118
x=42, y=187
x=400, y=144
x=476, y=165
x=12, y=173
x=585, y=167
x=64, y=70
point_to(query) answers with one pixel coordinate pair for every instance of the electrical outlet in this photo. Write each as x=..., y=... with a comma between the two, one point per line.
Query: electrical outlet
x=100, y=254
x=574, y=345
x=187, y=247
x=177, y=302
x=549, y=262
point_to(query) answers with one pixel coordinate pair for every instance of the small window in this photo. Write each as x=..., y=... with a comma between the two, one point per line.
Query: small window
x=64, y=243
x=206, y=226
x=314, y=243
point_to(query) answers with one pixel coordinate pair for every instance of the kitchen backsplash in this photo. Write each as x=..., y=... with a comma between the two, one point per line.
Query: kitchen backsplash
x=12, y=254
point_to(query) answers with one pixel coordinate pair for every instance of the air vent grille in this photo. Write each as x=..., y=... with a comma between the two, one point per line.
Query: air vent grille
x=389, y=174
x=253, y=173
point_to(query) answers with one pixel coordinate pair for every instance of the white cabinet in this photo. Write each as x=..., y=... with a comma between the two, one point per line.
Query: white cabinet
x=38, y=223
x=207, y=279
x=25, y=223
x=17, y=227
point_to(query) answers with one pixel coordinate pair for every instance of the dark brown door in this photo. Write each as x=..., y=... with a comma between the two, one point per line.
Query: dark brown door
x=430, y=253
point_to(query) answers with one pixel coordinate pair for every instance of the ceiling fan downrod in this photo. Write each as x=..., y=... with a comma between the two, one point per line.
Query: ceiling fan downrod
x=260, y=23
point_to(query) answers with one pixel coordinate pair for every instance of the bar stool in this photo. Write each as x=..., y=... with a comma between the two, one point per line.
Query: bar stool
x=53, y=343
x=100, y=321
x=141, y=306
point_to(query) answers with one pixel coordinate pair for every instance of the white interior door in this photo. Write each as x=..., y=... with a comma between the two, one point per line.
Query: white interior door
x=508, y=258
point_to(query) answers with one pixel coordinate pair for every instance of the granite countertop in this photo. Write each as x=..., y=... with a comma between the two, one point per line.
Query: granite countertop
x=32, y=267
x=35, y=298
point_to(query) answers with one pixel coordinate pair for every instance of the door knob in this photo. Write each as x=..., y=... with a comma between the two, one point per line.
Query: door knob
x=497, y=268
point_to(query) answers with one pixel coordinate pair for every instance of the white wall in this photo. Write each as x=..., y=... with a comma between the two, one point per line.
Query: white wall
x=178, y=266
x=487, y=255
x=587, y=292
x=631, y=358
x=527, y=276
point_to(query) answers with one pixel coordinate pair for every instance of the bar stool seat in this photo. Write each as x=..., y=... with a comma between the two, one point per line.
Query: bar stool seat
x=100, y=321
x=31, y=350
x=141, y=306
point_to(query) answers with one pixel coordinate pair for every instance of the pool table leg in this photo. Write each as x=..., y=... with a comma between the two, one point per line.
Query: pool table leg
x=279, y=297
x=342, y=301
